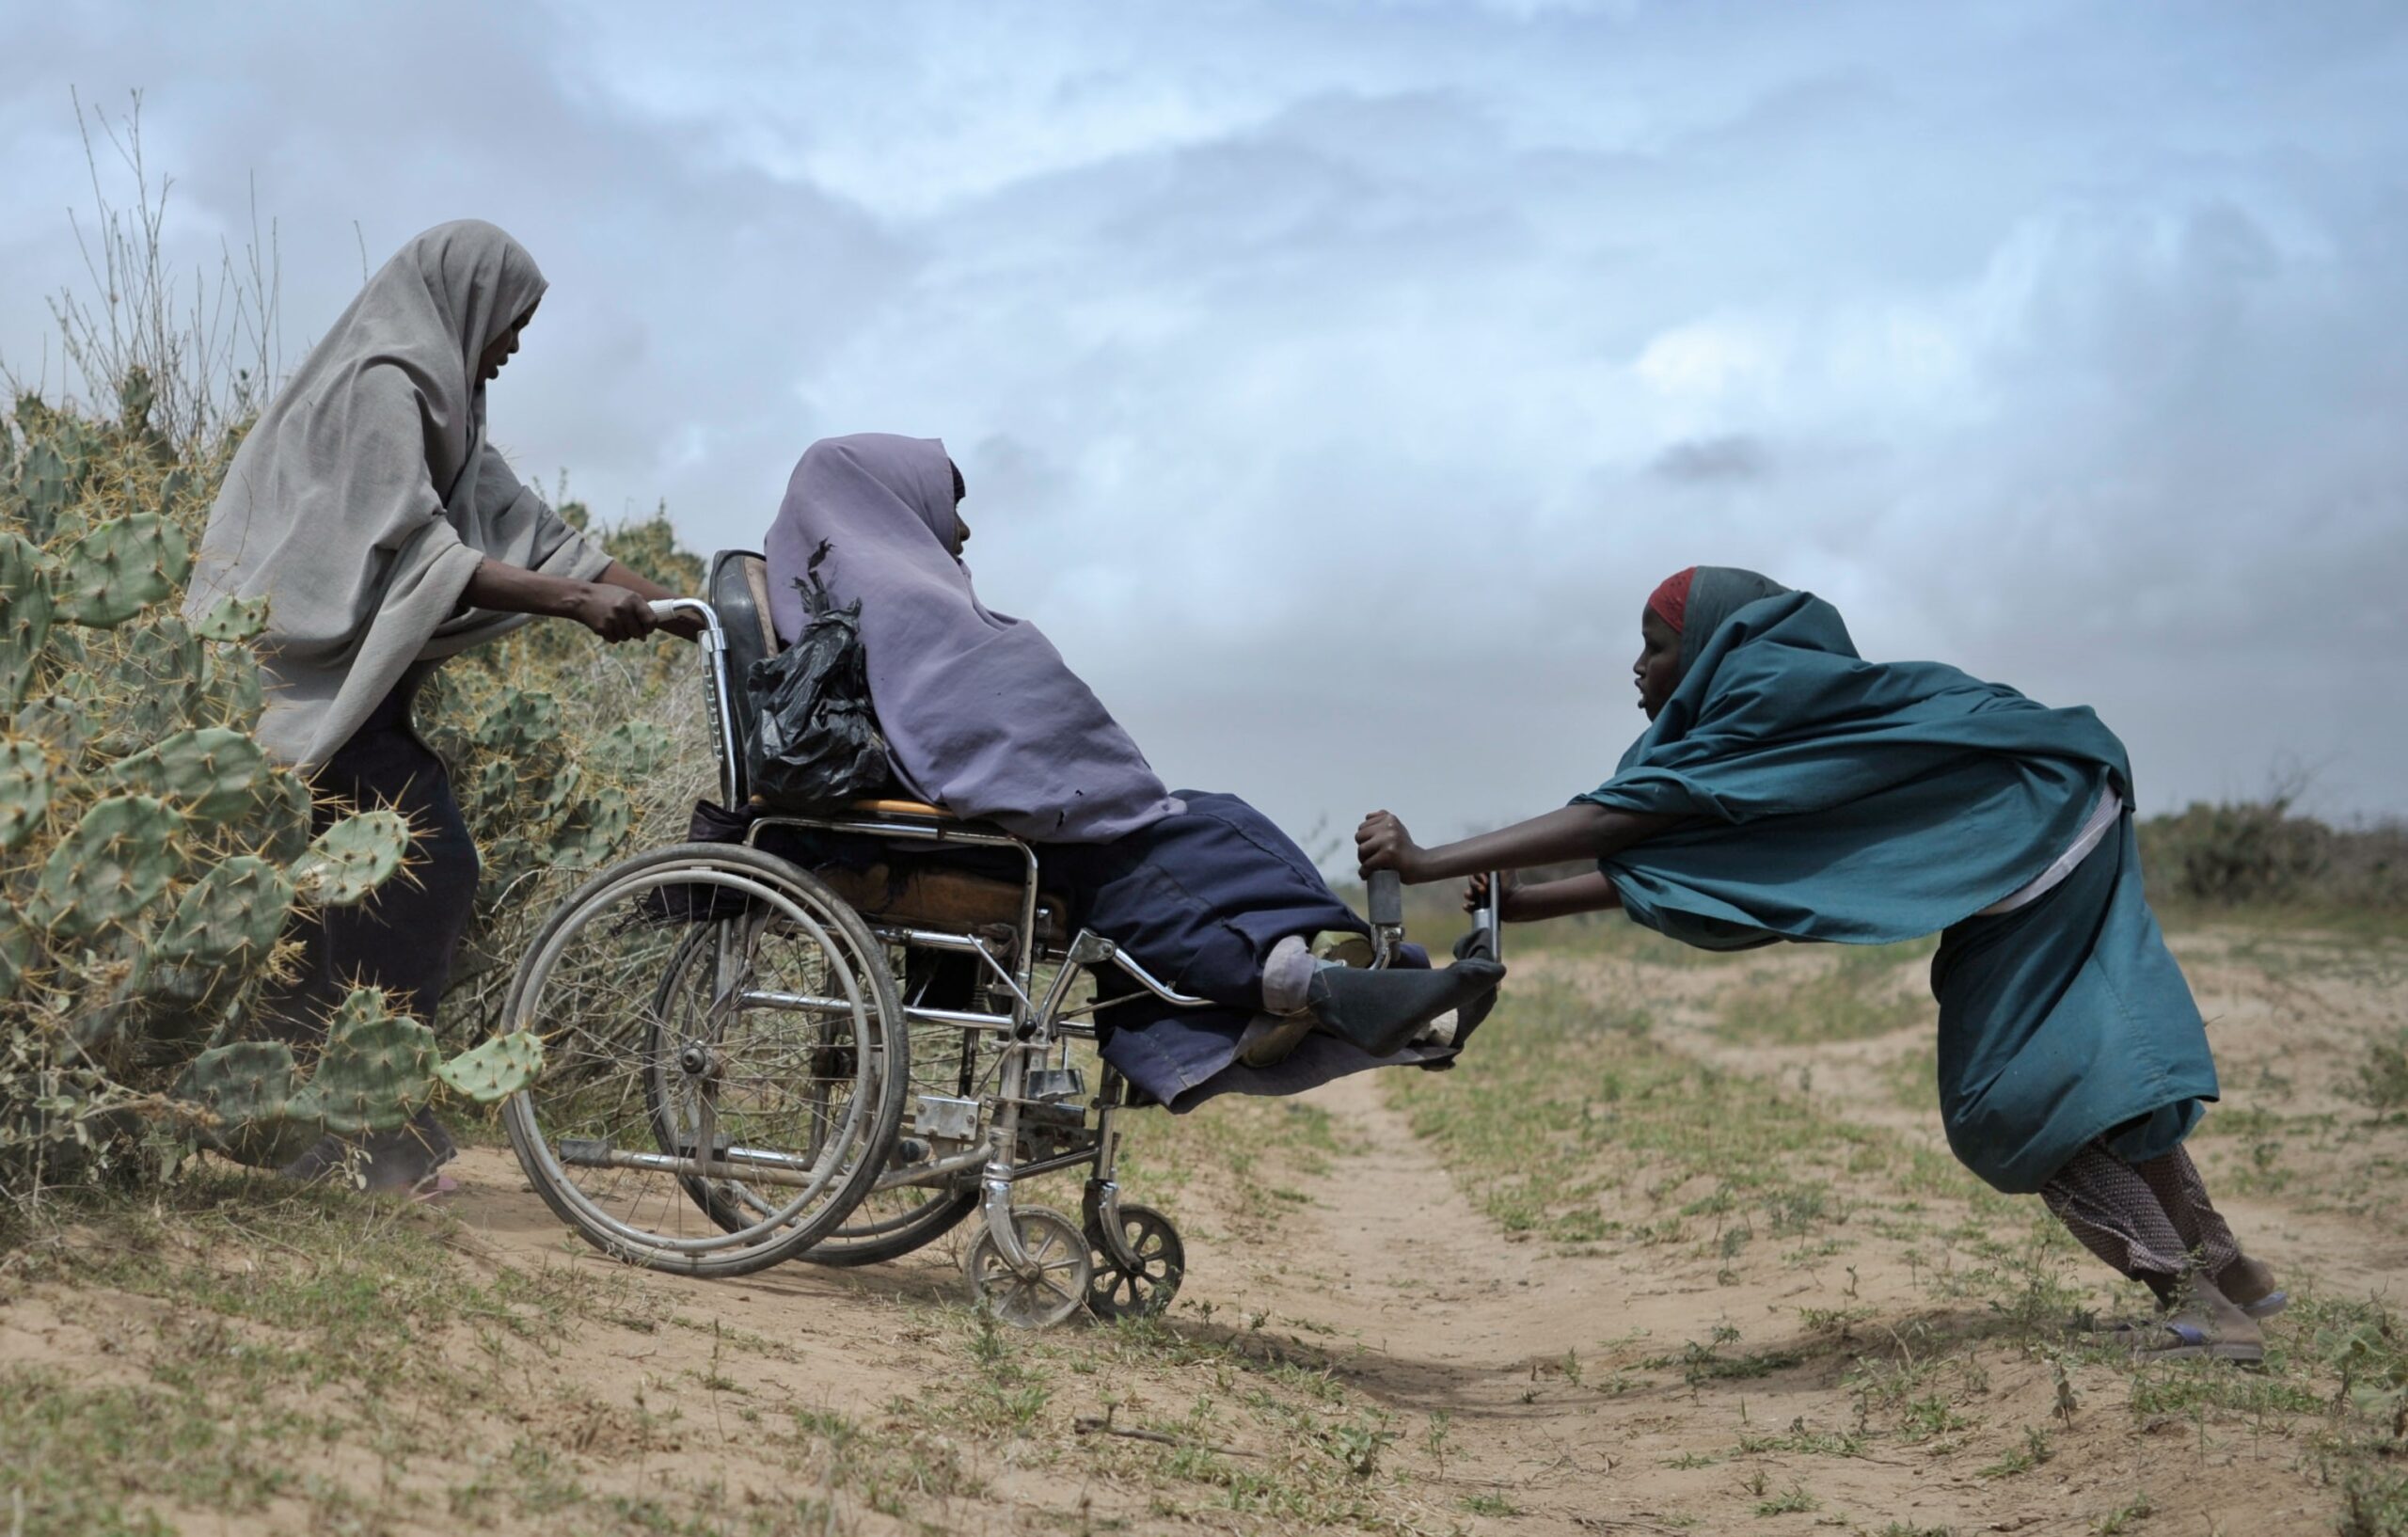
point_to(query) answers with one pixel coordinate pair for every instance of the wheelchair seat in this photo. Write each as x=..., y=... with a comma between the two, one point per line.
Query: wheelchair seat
x=930, y=896
x=926, y=893
x=903, y=808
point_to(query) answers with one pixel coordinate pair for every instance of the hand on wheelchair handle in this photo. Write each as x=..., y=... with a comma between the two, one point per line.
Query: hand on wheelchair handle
x=666, y=615
x=614, y=613
x=1382, y=843
x=1476, y=895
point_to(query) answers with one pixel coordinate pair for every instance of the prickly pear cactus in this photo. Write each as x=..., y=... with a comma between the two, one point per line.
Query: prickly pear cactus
x=229, y=918
x=248, y=1095
x=233, y=619
x=117, y=862
x=352, y=858
x=25, y=789
x=152, y=861
x=211, y=775
x=278, y=821
x=376, y=1071
x=496, y=1070
x=120, y=568
x=248, y=1081
x=41, y=488
x=25, y=616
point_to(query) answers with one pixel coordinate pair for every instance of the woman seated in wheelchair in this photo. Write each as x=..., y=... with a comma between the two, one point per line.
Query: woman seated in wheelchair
x=984, y=718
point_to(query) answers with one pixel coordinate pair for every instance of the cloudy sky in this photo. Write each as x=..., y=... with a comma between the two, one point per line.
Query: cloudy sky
x=1333, y=381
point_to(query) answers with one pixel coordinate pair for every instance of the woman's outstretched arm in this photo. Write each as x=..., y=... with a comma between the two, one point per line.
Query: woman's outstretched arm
x=1578, y=831
x=616, y=606
x=1589, y=892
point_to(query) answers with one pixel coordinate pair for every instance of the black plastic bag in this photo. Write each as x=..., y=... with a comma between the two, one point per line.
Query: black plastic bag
x=815, y=738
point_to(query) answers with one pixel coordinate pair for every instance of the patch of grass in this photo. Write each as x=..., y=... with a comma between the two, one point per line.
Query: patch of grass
x=2374, y=1503
x=2383, y=1077
x=2124, y=1517
x=1856, y=995
x=1812, y=1443
x=2035, y=1450
x=1489, y=1504
x=1572, y=1100
x=1789, y=1501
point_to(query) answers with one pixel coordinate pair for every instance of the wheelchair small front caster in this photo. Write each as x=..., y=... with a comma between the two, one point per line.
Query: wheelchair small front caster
x=1057, y=1253
x=1153, y=1239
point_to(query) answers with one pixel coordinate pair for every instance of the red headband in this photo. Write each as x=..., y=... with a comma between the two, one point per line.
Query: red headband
x=1669, y=602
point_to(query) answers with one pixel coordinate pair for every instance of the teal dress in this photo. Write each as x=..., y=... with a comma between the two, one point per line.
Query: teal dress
x=1833, y=799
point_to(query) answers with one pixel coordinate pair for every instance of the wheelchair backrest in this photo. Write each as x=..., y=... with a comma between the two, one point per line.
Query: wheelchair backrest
x=740, y=590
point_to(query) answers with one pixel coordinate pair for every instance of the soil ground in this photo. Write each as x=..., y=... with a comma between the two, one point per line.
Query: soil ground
x=1677, y=1250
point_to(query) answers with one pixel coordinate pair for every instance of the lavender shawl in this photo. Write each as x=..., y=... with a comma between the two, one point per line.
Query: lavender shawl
x=981, y=714
x=367, y=494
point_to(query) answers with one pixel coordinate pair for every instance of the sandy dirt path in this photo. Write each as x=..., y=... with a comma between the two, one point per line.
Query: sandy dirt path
x=1532, y=1387
x=1539, y=1359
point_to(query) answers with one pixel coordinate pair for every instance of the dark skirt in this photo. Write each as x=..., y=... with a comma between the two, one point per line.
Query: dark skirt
x=404, y=936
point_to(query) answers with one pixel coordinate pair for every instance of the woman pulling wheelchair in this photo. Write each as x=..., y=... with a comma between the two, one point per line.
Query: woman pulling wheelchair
x=1785, y=788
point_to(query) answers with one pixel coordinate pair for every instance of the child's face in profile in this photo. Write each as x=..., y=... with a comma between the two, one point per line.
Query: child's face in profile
x=1659, y=661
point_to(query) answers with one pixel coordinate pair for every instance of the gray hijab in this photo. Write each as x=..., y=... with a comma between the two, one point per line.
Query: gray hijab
x=981, y=714
x=1717, y=592
x=367, y=495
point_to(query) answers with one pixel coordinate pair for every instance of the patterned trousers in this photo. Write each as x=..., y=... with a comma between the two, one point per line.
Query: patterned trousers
x=2151, y=1221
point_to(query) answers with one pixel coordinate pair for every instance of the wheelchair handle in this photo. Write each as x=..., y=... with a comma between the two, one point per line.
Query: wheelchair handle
x=1385, y=890
x=722, y=688
x=670, y=608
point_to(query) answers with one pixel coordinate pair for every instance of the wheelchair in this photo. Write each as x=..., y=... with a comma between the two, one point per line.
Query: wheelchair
x=748, y=1061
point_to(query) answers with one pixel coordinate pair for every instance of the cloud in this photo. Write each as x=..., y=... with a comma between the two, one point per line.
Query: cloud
x=1333, y=380
x=1732, y=457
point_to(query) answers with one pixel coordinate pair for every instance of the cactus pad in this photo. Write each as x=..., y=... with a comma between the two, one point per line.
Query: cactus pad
x=121, y=567
x=53, y=721
x=25, y=616
x=278, y=821
x=230, y=693
x=165, y=676
x=41, y=480
x=376, y=1071
x=248, y=1087
x=593, y=830
x=233, y=619
x=499, y=1069
x=521, y=722
x=231, y=917
x=637, y=749
x=25, y=789
x=212, y=775
x=352, y=858
x=114, y=863
x=249, y=1081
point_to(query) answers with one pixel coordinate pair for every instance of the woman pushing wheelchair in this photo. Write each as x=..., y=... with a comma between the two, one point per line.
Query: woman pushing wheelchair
x=1785, y=788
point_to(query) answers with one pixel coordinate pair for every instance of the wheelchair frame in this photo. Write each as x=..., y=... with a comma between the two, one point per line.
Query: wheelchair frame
x=983, y=1126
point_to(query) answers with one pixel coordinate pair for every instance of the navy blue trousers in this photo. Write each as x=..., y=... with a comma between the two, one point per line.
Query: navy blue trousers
x=1198, y=901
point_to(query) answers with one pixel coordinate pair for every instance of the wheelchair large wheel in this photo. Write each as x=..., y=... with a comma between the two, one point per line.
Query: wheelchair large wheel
x=713, y=1117
x=884, y=1225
